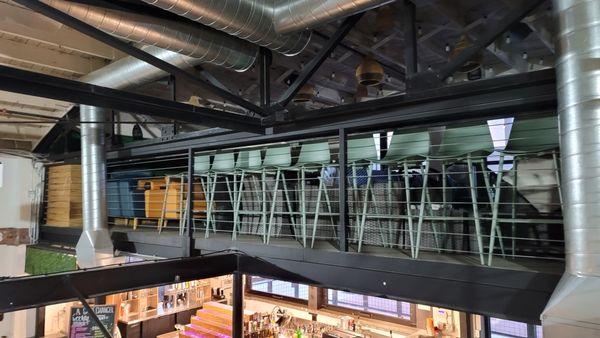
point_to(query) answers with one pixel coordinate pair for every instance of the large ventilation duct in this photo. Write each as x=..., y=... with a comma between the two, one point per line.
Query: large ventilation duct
x=294, y=15
x=573, y=308
x=130, y=72
x=251, y=20
x=205, y=44
x=94, y=246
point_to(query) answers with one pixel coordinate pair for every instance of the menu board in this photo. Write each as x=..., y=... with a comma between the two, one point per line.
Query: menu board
x=83, y=326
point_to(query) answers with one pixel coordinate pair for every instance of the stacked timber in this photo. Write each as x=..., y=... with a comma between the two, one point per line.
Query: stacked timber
x=63, y=196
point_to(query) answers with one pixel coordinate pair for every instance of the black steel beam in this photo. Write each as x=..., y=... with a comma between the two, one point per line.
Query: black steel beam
x=126, y=48
x=26, y=292
x=42, y=85
x=266, y=58
x=510, y=294
x=515, y=95
x=318, y=60
x=491, y=34
x=527, y=92
x=503, y=293
x=410, y=41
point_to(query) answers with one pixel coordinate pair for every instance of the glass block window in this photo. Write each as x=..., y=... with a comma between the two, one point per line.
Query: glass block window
x=371, y=304
x=279, y=288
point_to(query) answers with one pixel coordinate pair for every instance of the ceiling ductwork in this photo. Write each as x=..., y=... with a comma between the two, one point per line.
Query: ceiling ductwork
x=130, y=72
x=294, y=15
x=280, y=25
x=204, y=44
x=573, y=308
x=251, y=20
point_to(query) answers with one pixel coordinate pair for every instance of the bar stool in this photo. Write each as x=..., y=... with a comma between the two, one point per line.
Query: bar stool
x=276, y=159
x=473, y=141
x=314, y=157
x=362, y=153
x=402, y=149
x=247, y=162
x=223, y=165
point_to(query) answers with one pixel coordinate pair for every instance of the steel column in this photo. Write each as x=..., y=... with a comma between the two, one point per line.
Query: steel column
x=190, y=204
x=343, y=191
x=238, y=305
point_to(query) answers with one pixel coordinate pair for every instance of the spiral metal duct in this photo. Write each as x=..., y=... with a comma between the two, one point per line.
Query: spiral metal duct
x=293, y=15
x=130, y=72
x=95, y=244
x=573, y=310
x=251, y=20
x=204, y=44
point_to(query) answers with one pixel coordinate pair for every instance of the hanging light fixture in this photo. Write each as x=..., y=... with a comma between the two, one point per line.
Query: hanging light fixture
x=471, y=64
x=305, y=94
x=369, y=72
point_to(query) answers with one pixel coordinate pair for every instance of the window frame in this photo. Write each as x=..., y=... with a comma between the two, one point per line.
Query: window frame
x=258, y=293
x=371, y=315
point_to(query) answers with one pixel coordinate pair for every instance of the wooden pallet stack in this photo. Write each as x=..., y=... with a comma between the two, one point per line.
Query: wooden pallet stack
x=63, y=196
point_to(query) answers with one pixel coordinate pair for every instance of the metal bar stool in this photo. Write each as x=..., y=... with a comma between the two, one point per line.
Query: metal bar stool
x=404, y=148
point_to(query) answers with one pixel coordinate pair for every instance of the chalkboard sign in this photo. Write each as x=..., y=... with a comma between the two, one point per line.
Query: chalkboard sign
x=83, y=326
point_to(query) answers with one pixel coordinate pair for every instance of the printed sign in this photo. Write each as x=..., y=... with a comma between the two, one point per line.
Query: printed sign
x=83, y=326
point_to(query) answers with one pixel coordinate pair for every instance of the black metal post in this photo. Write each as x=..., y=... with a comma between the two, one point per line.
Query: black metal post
x=266, y=59
x=343, y=192
x=88, y=308
x=190, y=204
x=383, y=144
x=410, y=42
x=487, y=327
x=238, y=305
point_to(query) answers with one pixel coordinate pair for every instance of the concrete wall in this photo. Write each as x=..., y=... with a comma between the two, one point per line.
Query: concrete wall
x=16, y=193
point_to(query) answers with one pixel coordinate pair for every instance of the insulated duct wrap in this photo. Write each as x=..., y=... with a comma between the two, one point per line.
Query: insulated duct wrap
x=205, y=44
x=573, y=308
x=293, y=15
x=251, y=20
